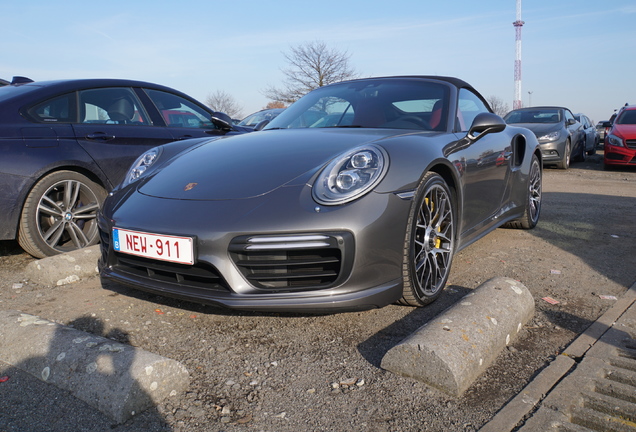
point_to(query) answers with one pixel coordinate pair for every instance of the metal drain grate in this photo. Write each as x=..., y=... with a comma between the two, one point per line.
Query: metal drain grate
x=599, y=395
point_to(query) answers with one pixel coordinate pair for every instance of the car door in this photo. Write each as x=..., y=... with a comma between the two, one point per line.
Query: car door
x=575, y=130
x=114, y=129
x=184, y=118
x=487, y=167
x=590, y=134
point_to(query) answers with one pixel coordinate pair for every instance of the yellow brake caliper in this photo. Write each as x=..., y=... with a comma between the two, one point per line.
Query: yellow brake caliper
x=438, y=240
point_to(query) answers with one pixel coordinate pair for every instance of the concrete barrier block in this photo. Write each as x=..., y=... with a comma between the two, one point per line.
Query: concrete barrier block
x=452, y=350
x=117, y=379
x=64, y=268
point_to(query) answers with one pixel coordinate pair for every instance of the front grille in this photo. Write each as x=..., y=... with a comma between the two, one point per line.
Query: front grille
x=201, y=276
x=293, y=262
x=631, y=143
x=620, y=157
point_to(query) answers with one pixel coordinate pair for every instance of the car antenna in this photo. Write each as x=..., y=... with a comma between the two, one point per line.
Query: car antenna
x=21, y=80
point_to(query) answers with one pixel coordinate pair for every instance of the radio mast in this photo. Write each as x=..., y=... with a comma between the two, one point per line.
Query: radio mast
x=518, y=24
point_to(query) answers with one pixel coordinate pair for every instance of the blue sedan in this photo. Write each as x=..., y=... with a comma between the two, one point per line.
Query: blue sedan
x=66, y=143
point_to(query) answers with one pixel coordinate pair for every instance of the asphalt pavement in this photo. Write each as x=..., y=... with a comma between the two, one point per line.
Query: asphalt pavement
x=590, y=386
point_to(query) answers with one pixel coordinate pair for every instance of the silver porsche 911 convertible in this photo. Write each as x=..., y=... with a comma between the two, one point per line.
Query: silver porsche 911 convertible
x=355, y=197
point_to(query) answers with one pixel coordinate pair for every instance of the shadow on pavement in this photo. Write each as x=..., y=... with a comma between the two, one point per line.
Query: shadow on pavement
x=28, y=403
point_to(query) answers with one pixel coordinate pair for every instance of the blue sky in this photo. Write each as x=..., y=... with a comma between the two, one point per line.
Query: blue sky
x=580, y=54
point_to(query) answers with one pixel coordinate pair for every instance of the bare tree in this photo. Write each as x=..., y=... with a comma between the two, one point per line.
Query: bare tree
x=311, y=65
x=223, y=102
x=498, y=105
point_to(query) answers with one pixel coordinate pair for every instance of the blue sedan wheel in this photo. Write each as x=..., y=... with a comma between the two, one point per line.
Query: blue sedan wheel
x=430, y=242
x=60, y=214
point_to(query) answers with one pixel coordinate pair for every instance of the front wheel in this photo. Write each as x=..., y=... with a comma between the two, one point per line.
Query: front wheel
x=564, y=163
x=583, y=153
x=60, y=214
x=430, y=242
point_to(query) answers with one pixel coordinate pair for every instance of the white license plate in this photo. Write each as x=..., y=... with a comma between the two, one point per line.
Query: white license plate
x=155, y=246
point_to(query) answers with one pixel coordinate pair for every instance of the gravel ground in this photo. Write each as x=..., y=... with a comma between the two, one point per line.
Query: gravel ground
x=286, y=372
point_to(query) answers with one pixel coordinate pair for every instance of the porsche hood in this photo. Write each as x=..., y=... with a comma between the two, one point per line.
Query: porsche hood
x=254, y=164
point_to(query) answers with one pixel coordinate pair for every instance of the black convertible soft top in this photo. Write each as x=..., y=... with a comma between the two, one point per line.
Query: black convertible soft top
x=451, y=80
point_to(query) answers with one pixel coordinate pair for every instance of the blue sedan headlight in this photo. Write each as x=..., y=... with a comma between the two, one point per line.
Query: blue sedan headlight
x=141, y=165
x=351, y=175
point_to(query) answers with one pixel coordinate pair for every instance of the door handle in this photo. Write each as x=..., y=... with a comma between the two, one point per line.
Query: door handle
x=100, y=136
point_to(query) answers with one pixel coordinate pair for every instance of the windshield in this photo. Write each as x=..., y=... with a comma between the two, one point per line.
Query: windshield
x=404, y=104
x=534, y=116
x=627, y=117
x=256, y=118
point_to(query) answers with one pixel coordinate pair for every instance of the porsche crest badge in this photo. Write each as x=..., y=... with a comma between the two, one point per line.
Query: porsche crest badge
x=189, y=186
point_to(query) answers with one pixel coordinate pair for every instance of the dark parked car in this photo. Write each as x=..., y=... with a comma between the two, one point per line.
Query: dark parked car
x=265, y=115
x=602, y=130
x=65, y=144
x=591, y=134
x=361, y=213
x=558, y=132
x=620, y=142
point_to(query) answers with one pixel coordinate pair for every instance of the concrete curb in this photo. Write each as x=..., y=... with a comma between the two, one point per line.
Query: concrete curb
x=64, y=268
x=452, y=350
x=117, y=379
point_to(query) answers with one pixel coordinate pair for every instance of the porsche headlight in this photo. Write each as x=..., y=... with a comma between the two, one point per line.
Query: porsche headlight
x=141, y=165
x=615, y=140
x=552, y=136
x=351, y=175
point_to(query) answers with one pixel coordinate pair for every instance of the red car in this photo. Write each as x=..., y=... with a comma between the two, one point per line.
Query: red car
x=620, y=141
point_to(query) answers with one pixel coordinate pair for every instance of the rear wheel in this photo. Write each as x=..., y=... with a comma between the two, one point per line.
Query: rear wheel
x=60, y=214
x=430, y=242
x=533, y=202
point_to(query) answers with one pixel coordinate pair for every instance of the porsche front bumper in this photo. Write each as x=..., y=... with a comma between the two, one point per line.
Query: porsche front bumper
x=265, y=254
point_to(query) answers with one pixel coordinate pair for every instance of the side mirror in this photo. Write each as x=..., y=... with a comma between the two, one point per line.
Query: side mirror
x=570, y=122
x=607, y=124
x=222, y=121
x=485, y=123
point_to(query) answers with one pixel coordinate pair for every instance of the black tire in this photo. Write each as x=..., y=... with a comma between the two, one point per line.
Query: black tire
x=533, y=202
x=430, y=242
x=564, y=163
x=582, y=153
x=60, y=214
